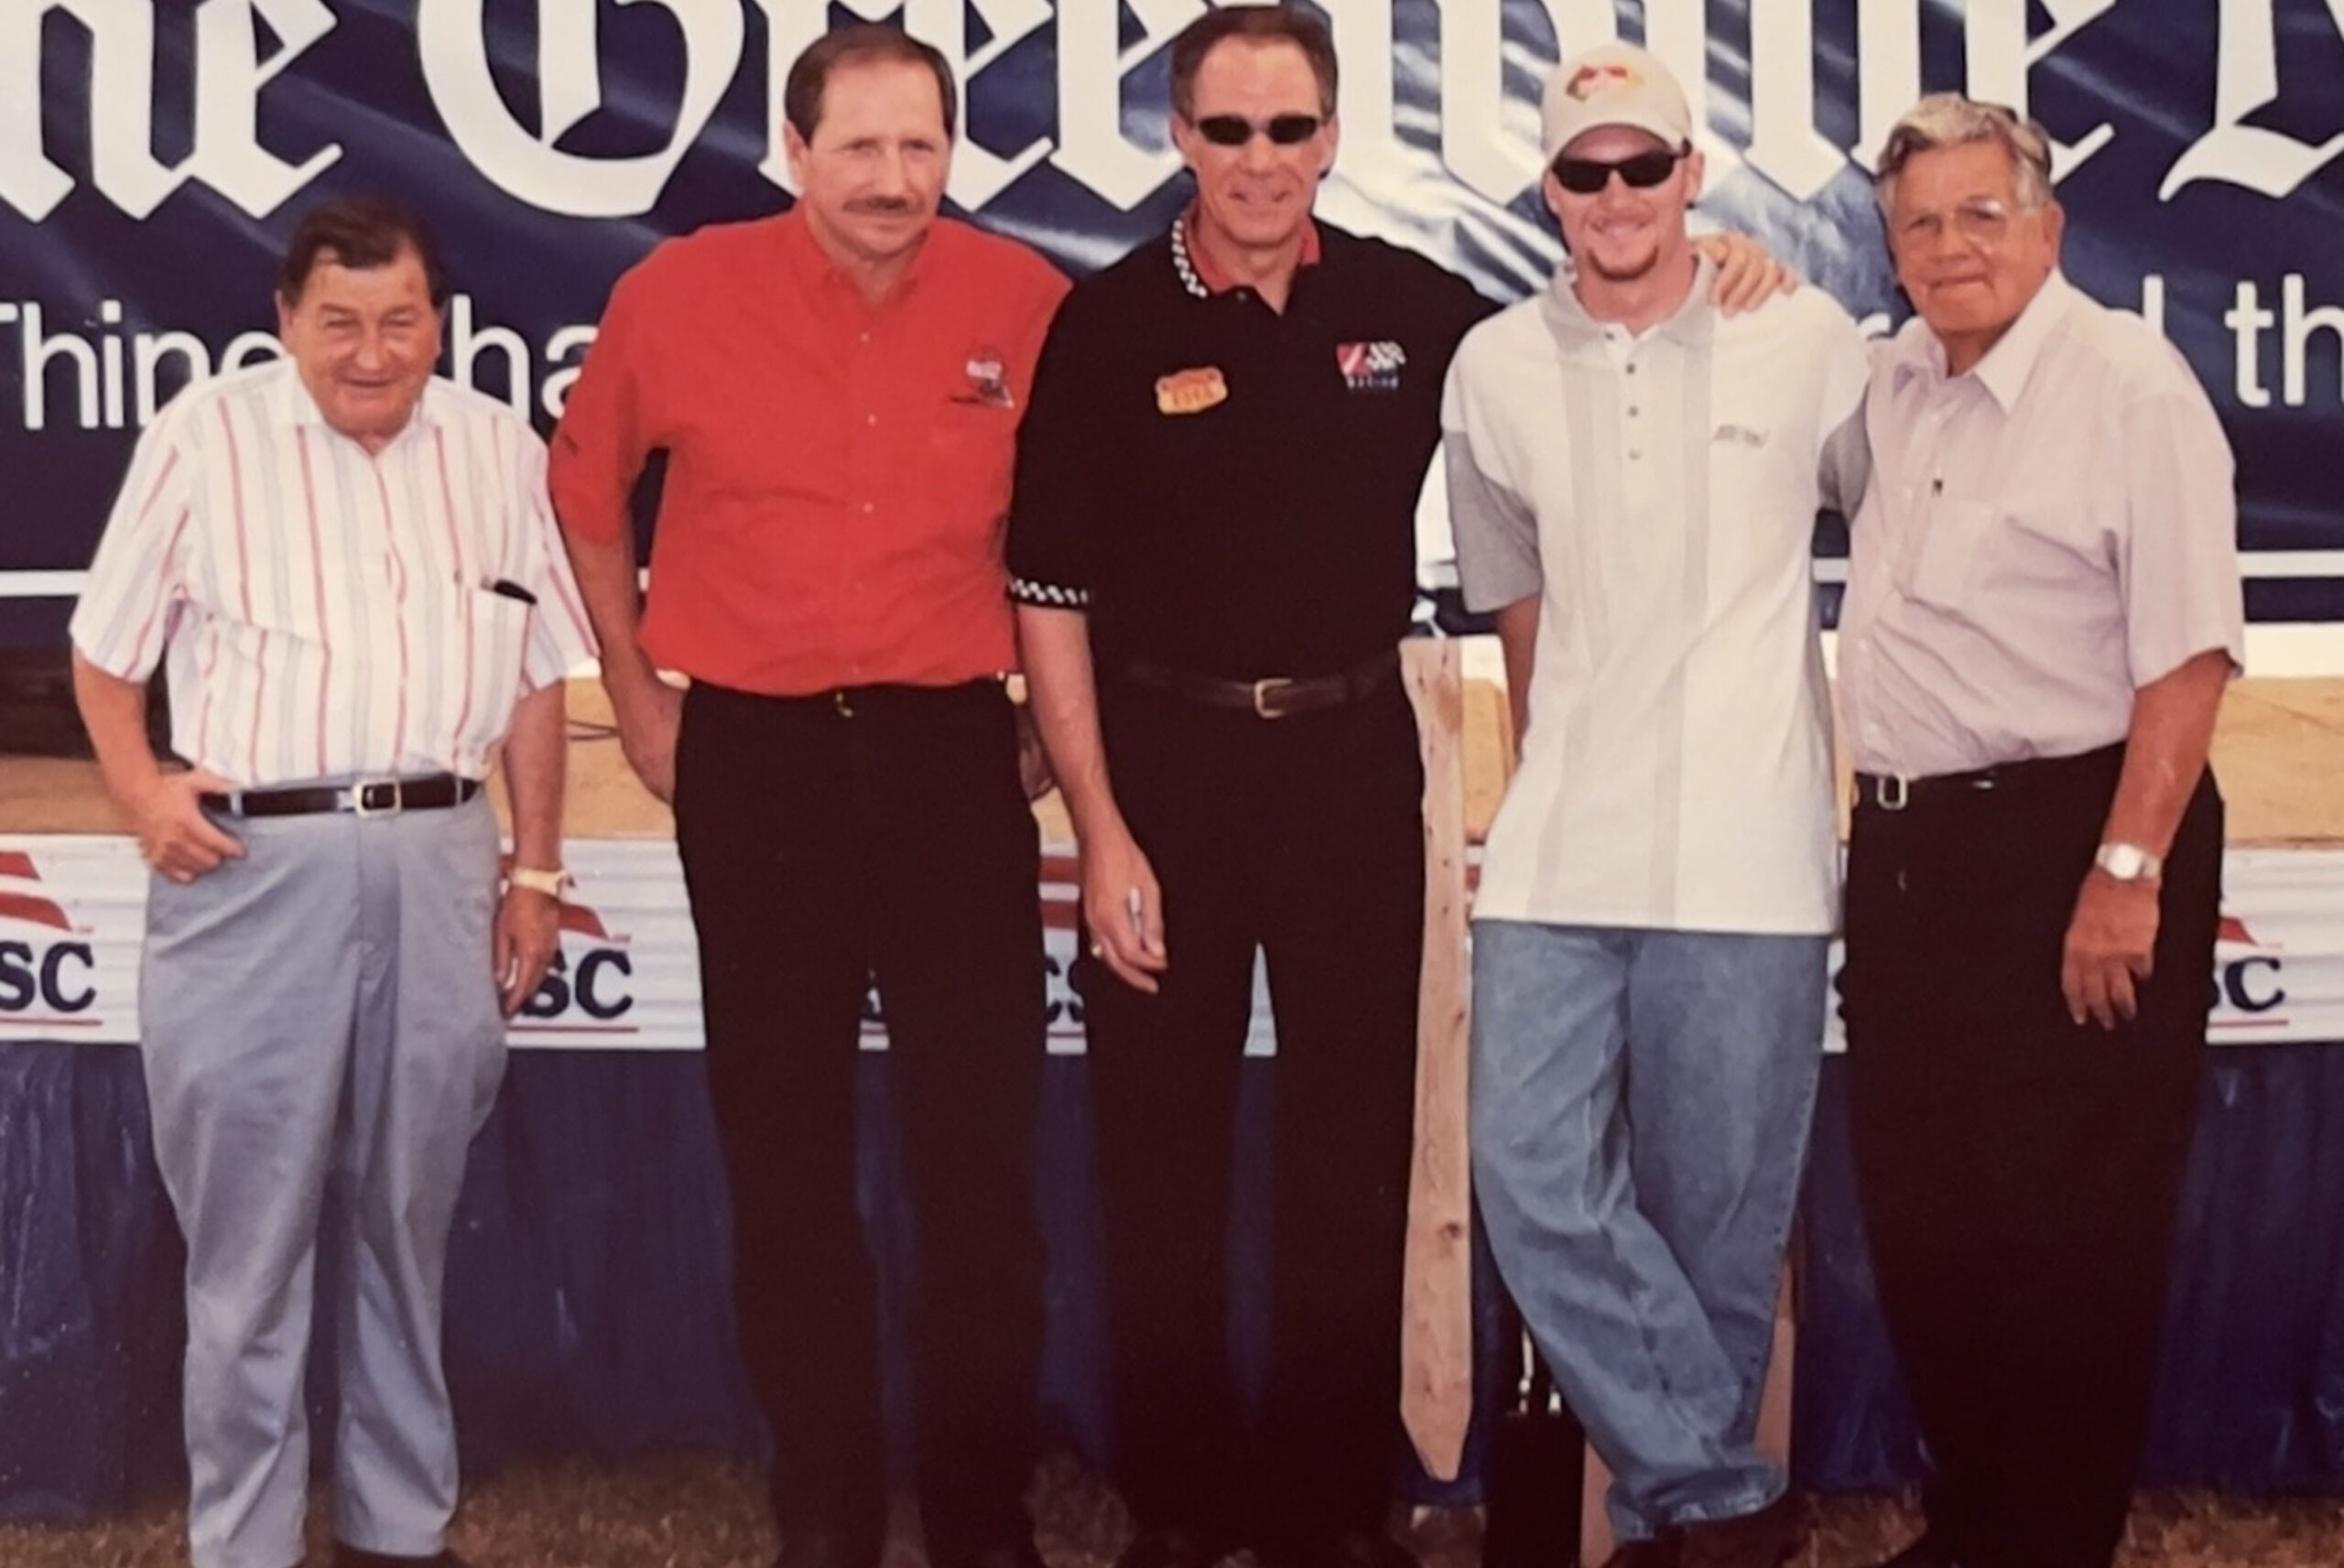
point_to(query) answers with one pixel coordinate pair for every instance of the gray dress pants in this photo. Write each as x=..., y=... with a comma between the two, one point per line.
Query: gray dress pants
x=321, y=1014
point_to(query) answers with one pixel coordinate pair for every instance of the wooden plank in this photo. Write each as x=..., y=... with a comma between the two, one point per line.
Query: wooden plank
x=1436, y=1333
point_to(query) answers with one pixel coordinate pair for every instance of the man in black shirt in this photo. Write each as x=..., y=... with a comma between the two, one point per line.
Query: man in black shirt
x=1212, y=548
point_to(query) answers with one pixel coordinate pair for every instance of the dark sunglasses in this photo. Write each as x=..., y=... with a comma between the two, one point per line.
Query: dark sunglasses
x=1586, y=175
x=1235, y=130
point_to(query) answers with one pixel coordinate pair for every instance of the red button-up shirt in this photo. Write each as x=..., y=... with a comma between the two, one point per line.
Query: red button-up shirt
x=837, y=473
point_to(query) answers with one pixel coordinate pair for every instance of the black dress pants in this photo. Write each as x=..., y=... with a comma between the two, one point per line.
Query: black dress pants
x=824, y=839
x=1302, y=836
x=2020, y=1173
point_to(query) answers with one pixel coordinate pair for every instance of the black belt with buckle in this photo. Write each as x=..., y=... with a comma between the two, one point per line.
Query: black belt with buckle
x=1275, y=697
x=368, y=797
x=1888, y=791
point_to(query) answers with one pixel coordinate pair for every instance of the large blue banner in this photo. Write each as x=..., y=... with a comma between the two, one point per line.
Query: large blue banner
x=155, y=153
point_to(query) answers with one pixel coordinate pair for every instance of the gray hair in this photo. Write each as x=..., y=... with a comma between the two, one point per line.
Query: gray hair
x=1952, y=120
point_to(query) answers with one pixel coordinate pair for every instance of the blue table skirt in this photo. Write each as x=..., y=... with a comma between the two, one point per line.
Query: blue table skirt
x=588, y=1310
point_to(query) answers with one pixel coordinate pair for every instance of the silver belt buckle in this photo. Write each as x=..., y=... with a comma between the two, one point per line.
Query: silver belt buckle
x=359, y=808
x=1266, y=691
x=1894, y=792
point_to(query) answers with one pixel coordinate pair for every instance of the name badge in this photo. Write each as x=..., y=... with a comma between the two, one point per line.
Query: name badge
x=1191, y=391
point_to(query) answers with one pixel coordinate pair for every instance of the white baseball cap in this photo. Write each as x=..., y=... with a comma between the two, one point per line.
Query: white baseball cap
x=1613, y=84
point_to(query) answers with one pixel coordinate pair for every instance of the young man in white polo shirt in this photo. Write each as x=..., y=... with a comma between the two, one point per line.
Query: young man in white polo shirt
x=1633, y=480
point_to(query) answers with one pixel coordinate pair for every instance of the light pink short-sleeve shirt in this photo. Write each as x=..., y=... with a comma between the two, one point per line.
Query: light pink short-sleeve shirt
x=2042, y=536
x=322, y=612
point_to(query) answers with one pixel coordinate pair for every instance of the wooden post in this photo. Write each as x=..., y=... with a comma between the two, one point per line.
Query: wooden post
x=1436, y=1324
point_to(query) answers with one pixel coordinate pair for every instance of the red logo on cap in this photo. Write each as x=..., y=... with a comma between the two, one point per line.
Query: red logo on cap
x=1589, y=80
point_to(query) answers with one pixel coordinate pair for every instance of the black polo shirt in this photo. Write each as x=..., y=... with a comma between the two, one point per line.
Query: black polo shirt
x=1225, y=489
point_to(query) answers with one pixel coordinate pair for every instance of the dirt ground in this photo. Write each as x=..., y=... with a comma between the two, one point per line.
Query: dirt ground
x=694, y=1511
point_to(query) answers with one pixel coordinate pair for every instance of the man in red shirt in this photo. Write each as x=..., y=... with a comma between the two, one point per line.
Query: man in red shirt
x=844, y=766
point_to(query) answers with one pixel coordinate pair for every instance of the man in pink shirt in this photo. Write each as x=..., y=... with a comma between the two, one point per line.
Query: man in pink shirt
x=2042, y=615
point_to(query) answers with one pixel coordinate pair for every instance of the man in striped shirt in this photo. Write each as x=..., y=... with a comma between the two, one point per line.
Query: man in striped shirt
x=351, y=574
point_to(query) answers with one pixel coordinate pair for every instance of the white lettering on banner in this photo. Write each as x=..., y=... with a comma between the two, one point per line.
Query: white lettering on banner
x=453, y=38
x=2299, y=322
x=1487, y=142
x=2270, y=162
x=79, y=378
x=229, y=75
x=1092, y=149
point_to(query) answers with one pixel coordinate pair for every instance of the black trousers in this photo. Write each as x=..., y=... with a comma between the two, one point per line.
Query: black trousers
x=824, y=839
x=1302, y=836
x=2020, y=1173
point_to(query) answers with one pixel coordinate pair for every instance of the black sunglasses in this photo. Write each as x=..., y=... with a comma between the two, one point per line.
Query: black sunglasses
x=1586, y=175
x=1235, y=130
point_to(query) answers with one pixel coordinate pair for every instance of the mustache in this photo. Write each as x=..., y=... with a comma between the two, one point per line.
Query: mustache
x=885, y=206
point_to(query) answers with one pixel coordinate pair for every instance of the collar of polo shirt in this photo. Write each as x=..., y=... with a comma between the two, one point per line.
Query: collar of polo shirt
x=1197, y=274
x=2004, y=369
x=1569, y=314
x=803, y=254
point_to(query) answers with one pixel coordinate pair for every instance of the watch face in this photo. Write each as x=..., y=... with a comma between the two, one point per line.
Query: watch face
x=2125, y=863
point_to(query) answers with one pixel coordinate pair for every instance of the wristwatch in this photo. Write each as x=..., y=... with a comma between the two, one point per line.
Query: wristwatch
x=547, y=881
x=2128, y=863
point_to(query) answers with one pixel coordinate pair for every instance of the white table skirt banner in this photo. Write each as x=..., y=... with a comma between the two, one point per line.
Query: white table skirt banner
x=72, y=908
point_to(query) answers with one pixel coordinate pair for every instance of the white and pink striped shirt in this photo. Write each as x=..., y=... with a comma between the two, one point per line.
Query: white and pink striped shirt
x=327, y=612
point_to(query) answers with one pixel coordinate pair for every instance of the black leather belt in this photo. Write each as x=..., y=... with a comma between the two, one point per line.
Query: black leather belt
x=1886, y=792
x=369, y=797
x=1275, y=697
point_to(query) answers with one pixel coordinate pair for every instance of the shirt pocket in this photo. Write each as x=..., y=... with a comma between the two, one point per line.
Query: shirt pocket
x=497, y=632
x=973, y=445
x=1938, y=563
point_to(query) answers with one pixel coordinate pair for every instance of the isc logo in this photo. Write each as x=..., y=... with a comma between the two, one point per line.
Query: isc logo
x=53, y=977
x=49, y=971
x=2247, y=984
x=597, y=986
x=591, y=990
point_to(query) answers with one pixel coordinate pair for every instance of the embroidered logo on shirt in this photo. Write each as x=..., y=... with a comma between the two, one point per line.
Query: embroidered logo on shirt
x=1371, y=367
x=1741, y=436
x=988, y=381
x=1192, y=391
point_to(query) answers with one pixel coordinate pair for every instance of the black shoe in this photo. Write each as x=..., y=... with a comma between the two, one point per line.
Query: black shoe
x=815, y=1546
x=1660, y=1552
x=1374, y=1549
x=1929, y=1552
x=1347, y=1548
x=1018, y=1553
x=347, y=1556
x=1761, y=1540
x=1163, y=1547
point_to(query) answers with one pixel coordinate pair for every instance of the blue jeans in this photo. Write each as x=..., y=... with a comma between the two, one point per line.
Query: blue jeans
x=1640, y=1109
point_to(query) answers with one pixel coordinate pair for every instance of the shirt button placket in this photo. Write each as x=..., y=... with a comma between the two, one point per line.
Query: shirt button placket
x=1629, y=432
x=866, y=463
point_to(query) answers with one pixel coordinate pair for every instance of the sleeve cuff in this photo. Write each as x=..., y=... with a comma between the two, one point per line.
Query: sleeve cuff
x=1048, y=595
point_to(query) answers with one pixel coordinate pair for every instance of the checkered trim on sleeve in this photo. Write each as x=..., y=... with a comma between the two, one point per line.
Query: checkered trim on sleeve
x=1048, y=595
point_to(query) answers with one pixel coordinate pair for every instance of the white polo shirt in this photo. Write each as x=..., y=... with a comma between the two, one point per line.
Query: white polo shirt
x=328, y=612
x=1659, y=495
